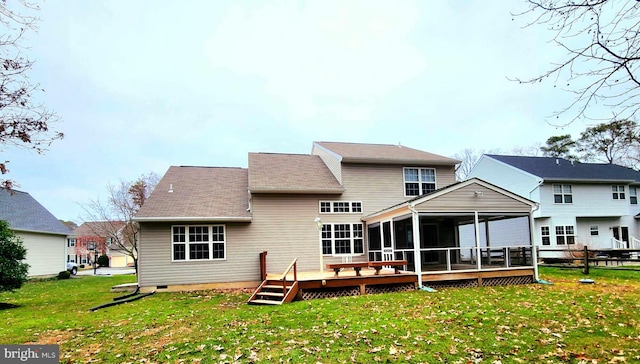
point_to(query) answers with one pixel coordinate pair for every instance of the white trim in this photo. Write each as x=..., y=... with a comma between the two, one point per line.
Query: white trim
x=210, y=243
x=419, y=182
x=352, y=239
x=332, y=207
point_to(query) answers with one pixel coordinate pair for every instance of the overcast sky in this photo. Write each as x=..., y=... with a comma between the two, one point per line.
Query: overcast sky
x=143, y=85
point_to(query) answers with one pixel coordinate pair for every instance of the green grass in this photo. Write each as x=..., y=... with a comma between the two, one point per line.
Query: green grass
x=564, y=322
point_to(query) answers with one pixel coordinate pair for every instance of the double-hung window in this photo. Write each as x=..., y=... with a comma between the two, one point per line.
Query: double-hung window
x=342, y=239
x=633, y=195
x=198, y=242
x=617, y=192
x=565, y=235
x=544, y=234
x=418, y=181
x=562, y=194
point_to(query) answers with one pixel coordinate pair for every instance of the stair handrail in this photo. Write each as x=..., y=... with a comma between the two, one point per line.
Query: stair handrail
x=617, y=244
x=635, y=243
x=294, y=265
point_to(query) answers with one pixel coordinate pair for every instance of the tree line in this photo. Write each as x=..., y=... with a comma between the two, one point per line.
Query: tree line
x=616, y=142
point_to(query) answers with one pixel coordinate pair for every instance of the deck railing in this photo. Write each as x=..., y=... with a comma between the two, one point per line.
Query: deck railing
x=466, y=258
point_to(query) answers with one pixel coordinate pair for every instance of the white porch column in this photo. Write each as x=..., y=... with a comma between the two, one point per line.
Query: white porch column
x=417, y=262
x=476, y=222
x=534, y=252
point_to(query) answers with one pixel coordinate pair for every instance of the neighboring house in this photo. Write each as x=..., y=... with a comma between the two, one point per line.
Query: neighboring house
x=592, y=204
x=43, y=235
x=205, y=227
x=98, y=234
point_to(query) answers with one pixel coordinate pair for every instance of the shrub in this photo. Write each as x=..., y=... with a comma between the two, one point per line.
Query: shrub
x=103, y=261
x=64, y=275
x=13, y=271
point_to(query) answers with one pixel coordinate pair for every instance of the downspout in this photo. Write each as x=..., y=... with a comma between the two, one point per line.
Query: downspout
x=417, y=263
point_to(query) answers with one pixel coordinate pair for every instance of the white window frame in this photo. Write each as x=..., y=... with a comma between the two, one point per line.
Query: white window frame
x=593, y=230
x=544, y=229
x=349, y=206
x=330, y=237
x=562, y=232
x=564, y=192
x=633, y=195
x=210, y=242
x=420, y=181
x=618, y=192
x=72, y=242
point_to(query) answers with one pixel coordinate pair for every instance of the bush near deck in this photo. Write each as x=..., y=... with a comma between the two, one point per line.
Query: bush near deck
x=563, y=322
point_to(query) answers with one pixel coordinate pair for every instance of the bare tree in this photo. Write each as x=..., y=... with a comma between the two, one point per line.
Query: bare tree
x=468, y=159
x=602, y=45
x=115, y=215
x=23, y=123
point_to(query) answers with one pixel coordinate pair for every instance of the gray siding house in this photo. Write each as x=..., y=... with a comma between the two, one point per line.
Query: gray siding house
x=205, y=227
x=43, y=235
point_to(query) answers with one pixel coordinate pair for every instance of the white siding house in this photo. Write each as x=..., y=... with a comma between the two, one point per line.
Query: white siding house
x=587, y=204
x=42, y=234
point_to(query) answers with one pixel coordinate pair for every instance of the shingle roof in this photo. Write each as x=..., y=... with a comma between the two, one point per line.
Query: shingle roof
x=199, y=193
x=550, y=168
x=23, y=212
x=384, y=154
x=97, y=228
x=290, y=173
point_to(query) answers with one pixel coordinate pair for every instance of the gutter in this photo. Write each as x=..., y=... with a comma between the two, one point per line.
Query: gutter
x=194, y=218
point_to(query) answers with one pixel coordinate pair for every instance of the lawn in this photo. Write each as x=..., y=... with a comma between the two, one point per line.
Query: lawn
x=564, y=322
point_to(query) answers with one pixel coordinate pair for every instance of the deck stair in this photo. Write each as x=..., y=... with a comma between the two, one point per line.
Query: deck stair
x=277, y=291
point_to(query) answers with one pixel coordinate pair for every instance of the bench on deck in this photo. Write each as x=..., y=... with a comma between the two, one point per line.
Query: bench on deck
x=396, y=264
x=338, y=266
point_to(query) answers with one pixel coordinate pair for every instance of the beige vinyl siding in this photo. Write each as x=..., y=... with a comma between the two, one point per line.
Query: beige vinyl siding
x=330, y=160
x=282, y=225
x=45, y=252
x=465, y=199
x=381, y=186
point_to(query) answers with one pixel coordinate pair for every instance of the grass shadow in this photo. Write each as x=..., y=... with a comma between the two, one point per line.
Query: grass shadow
x=7, y=306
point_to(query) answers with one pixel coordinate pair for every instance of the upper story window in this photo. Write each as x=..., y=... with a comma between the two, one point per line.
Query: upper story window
x=338, y=207
x=418, y=181
x=72, y=243
x=618, y=192
x=198, y=242
x=633, y=195
x=562, y=194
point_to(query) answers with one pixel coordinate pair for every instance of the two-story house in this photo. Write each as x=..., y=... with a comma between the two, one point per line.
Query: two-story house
x=207, y=226
x=592, y=204
x=103, y=236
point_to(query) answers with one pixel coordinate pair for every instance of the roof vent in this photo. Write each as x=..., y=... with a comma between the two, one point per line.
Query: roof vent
x=170, y=188
x=557, y=161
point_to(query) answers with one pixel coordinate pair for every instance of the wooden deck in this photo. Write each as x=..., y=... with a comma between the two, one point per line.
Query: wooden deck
x=326, y=284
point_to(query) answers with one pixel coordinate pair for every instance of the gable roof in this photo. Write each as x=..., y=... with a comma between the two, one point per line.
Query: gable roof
x=24, y=213
x=411, y=203
x=560, y=169
x=199, y=194
x=384, y=154
x=97, y=228
x=291, y=173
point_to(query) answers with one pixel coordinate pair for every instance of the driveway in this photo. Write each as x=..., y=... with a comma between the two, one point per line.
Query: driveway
x=105, y=271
